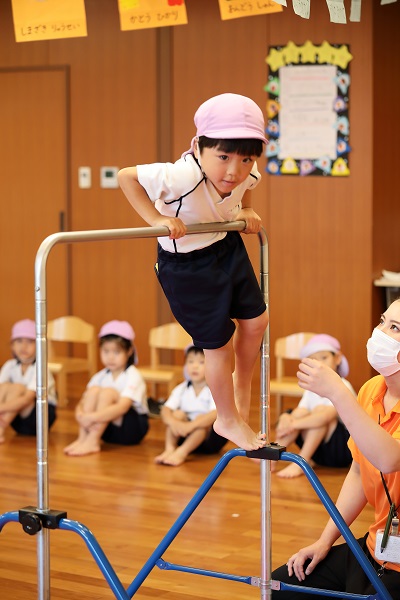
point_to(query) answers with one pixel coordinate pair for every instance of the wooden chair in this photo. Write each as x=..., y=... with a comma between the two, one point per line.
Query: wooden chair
x=287, y=348
x=70, y=329
x=170, y=336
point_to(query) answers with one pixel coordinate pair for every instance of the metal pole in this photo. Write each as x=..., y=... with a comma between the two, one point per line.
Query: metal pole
x=43, y=542
x=265, y=466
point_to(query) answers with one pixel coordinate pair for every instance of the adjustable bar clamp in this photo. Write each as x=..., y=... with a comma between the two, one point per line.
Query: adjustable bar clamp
x=32, y=520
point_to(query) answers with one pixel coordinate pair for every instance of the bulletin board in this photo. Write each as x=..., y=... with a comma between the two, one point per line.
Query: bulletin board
x=308, y=110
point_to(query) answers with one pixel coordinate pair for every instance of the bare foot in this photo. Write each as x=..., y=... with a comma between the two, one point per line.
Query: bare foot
x=161, y=457
x=84, y=448
x=240, y=433
x=71, y=446
x=175, y=459
x=290, y=472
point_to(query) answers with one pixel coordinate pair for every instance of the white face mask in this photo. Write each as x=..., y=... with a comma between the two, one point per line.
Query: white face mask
x=382, y=351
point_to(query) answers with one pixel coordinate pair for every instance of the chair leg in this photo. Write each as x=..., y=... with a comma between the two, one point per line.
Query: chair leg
x=278, y=406
x=61, y=383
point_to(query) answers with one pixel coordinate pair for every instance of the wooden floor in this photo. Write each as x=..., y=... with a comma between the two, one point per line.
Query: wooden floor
x=129, y=504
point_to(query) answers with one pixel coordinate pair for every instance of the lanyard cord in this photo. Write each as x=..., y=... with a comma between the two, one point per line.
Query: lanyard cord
x=392, y=505
x=393, y=508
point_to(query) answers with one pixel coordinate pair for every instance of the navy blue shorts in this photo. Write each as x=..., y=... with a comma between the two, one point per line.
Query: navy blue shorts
x=131, y=431
x=211, y=445
x=27, y=425
x=208, y=288
x=333, y=453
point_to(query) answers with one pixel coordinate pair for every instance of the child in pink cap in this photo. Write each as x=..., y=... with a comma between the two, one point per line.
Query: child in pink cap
x=18, y=383
x=314, y=425
x=208, y=278
x=114, y=405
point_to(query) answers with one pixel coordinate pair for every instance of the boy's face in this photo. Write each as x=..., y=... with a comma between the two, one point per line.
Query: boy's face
x=195, y=367
x=327, y=357
x=24, y=349
x=225, y=170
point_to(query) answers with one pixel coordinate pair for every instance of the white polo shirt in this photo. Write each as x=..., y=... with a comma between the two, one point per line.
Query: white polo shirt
x=181, y=190
x=183, y=397
x=11, y=372
x=129, y=384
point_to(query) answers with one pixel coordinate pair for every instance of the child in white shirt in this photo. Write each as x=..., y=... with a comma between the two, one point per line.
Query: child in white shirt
x=114, y=405
x=314, y=425
x=18, y=384
x=189, y=414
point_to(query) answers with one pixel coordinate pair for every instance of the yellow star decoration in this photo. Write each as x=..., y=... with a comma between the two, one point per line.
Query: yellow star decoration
x=308, y=52
x=341, y=56
x=291, y=53
x=275, y=59
x=326, y=52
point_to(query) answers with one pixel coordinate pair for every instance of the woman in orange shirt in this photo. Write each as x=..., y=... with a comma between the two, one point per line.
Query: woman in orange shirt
x=374, y=476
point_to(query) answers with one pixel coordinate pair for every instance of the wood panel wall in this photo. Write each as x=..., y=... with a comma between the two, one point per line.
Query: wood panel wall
x=133, y=97
x=386, y=147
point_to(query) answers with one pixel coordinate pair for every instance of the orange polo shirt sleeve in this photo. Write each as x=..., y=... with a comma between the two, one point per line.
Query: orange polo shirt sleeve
x=370, y=397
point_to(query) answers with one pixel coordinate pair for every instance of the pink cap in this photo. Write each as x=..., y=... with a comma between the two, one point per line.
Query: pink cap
x=23, y=329
x=321, y=342
x=230, y=117
x=121, y=328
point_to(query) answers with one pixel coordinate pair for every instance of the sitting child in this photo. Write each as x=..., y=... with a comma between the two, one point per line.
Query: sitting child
x=315, y=425
x=189, y=414
x=114, y=405
x=18, y=384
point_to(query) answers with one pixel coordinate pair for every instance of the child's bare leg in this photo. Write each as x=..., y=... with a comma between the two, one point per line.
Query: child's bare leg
x=87, y=403
x=171, y=443
x=284, y=440
x=89, y=439
x=5, y=420
x=92, y=443
x=312, y=439
x=81, y=438
x=10, y=393
x=229, y=422
x=181, y=453
x=246, y=344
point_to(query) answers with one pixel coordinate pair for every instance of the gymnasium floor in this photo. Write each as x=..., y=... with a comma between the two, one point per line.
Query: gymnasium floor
x=129, y=503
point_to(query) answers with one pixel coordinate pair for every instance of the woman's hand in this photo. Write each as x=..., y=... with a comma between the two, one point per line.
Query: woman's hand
x=319, y=378
x=316, y=552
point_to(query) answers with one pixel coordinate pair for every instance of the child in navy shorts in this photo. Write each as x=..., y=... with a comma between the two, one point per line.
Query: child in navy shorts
x=208, y=278
x=18, y=384
x=314, y=425
x=189, y=414
x=113, y=407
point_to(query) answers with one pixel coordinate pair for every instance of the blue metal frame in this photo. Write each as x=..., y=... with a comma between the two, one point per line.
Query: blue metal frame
x=38, y=520
x=156, y=557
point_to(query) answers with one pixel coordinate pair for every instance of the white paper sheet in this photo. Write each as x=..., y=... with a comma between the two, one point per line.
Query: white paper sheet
x=307, y=118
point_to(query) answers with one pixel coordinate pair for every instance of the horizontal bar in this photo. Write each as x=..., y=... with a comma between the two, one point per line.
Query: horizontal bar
x=167, y=566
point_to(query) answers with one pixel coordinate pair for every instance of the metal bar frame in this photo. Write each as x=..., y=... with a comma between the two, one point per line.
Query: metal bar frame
x=43, y=544
x=43, y=538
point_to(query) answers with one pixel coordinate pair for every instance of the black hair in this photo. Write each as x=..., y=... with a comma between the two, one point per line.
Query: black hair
x=244, y=147
x=193, y=350
x=123, y=343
